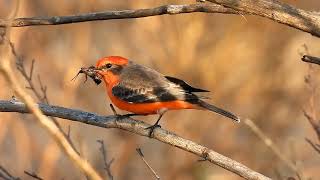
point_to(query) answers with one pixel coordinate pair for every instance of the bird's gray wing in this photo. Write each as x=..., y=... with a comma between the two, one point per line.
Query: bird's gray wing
x=139, y=84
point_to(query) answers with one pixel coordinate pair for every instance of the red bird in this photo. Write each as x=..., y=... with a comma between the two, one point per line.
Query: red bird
x=143, y=91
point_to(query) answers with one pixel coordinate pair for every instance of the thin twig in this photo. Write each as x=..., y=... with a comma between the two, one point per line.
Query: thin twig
x=269, y=143
x=314, y=145
x=139, y=151
x=69, y=132
x=6, y=175
x=43, y=90
x=107, y=165
x=33, y=175
x=23, y=71
x=314, y=123
x=31, y=68
x=139, y=128
x=310, y=114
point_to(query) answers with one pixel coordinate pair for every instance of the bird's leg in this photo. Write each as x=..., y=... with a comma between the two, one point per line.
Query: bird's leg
x=156, y=125
x=118, y=116
x=113, y=110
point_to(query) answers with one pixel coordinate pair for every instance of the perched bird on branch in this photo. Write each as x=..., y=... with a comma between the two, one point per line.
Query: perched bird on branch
x=144, y=91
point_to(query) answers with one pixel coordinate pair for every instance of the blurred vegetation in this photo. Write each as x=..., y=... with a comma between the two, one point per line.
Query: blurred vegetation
x=251, y=64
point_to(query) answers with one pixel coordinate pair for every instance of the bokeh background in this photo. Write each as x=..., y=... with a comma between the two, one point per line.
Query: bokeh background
x=251, y=64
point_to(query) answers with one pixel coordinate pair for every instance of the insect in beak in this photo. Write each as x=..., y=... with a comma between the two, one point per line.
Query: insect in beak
x=91, y=72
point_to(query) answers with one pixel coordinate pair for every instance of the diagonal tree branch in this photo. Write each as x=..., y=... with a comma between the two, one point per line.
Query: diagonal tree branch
x=137, y=127
x=278, y=11
x=121, y=14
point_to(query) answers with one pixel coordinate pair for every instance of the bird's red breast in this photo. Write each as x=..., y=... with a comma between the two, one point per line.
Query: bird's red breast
x=149, y=108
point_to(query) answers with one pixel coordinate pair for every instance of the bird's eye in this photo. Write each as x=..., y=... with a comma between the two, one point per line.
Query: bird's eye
x=109, y=65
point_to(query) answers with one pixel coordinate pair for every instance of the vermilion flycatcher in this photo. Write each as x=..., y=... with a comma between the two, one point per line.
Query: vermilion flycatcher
x=143, y=91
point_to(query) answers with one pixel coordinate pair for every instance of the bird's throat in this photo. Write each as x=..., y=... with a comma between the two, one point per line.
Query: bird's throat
x=110, y=79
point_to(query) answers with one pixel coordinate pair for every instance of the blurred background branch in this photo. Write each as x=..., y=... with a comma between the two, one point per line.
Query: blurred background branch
x=107, y=165
x=310, y=112
x=33, y=175
x=5, y=175
x=119, y=14
x=275, y=10
x=270, y=144
x=278, y=11
x=140, y=153
x=137, y=127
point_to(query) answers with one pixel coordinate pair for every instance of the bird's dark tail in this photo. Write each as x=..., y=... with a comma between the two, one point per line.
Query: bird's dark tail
x=218, y=110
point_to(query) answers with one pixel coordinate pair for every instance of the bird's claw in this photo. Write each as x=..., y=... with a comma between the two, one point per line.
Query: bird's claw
x=152, y=128
x=205, y=157
x=120, y=117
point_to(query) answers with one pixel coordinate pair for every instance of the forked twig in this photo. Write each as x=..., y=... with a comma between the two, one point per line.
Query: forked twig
x=107, y=165
x=42, y=97
x=310, y=114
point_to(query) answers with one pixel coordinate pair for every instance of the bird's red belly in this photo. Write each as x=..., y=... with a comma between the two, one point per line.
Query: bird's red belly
x=150, y=108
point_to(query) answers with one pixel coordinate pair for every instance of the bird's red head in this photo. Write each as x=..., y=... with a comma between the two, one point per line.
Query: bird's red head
x=110, y=67
x=113, y=60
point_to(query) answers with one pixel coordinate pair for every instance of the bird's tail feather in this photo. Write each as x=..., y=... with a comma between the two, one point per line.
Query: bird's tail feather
x=218, y=110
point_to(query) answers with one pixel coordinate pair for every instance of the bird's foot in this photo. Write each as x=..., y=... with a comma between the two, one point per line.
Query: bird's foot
x=205, y=157
x=152, y=128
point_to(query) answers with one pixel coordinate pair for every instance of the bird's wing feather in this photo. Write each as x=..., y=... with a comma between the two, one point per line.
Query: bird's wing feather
x=139, y=84
x=142, y=95
x=184, y=85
